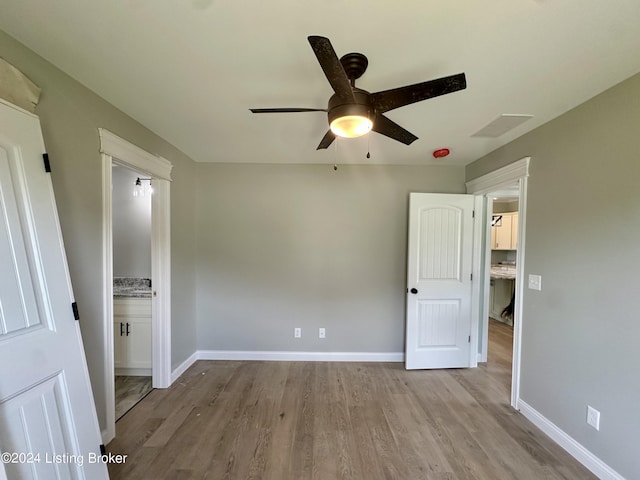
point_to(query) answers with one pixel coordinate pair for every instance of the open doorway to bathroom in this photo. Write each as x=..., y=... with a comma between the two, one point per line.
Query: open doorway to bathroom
x=132, y=325
x=116, y=150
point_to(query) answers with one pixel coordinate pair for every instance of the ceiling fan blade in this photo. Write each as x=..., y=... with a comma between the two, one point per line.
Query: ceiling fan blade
x=286, y=110
x=383, y=125
x=326, y=140
x=399, y=97
x=332, y=68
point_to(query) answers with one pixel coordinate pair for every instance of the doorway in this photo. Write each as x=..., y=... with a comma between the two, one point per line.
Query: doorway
x=508, y=177
x=132, y=326
x=117, y=150
x=502, y=219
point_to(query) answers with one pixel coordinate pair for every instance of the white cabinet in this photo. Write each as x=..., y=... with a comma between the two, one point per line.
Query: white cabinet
x=132, y=335
x=504, y=231
x=500, y=293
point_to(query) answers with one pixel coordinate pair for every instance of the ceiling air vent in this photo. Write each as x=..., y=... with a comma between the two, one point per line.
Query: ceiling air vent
x=501, y=125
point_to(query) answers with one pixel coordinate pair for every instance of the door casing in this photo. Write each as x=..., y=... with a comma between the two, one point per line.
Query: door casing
x=517, y=171
x=116, y=149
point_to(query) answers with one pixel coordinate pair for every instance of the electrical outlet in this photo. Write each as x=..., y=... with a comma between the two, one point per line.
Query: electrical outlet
x=322, y=333
x=593, y=417
x=297, y=332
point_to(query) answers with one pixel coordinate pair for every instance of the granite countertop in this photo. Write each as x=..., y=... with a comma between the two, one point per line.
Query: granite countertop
x=503, y=271
x=131, y=287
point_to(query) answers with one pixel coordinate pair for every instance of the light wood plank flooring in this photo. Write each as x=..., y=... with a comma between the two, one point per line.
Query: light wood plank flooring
x=363, y=421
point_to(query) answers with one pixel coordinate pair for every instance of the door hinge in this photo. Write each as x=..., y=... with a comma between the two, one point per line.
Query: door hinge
x=103, y=449
x=47, y=165
x=473, y=214
x=76, y=314
x=469, y=338
x=471, y=277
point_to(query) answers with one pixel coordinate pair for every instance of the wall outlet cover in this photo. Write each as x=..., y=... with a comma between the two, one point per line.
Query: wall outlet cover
x=593, y=417
x=535, y=282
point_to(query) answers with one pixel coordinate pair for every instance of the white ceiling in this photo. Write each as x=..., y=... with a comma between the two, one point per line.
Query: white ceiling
x=190, y=69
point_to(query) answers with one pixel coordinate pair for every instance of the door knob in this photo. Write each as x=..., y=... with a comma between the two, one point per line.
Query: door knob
x=414, y=290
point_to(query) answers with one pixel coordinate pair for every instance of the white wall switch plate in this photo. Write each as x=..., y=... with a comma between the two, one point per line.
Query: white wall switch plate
x=593, y=417
x=535, y=282
x=297, y=332
x=322, y=333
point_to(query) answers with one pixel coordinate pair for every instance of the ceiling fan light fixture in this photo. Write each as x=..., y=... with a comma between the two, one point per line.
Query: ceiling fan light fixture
x=350, y=120
x=353, y=111
x=351, y=126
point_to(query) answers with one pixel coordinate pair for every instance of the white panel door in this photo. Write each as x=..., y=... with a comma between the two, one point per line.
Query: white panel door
x=48, y=424
x=439, y=281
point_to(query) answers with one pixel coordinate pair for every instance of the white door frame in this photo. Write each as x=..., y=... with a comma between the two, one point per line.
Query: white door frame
x=116, y=149
x=515, y=172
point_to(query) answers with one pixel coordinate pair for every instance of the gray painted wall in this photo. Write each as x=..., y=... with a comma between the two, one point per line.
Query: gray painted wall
x=580, y=333
x=131, y=217
x=70, y=116
x=284, y=246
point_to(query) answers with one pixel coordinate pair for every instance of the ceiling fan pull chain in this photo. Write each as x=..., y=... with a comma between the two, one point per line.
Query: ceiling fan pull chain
x=335, y=148
x=369, y=145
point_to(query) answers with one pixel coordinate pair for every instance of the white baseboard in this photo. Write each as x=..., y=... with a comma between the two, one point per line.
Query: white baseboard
x=133, y=372
x=183, y=367
x=106, y=434
x=285, y=357
x=301, y=356
x=575, y=449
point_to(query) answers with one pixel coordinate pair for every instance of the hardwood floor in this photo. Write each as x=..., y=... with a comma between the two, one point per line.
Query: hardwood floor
x=368, y=421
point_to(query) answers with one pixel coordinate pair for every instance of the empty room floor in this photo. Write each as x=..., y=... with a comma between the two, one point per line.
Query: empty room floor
x=322, y=420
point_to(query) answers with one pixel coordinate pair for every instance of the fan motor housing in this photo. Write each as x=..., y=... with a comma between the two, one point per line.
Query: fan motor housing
x=362, y=107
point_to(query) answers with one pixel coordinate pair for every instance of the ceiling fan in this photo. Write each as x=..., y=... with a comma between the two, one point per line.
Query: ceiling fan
x=354, y=112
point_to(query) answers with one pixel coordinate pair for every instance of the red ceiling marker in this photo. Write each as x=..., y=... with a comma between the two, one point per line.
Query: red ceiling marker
x=441, y=153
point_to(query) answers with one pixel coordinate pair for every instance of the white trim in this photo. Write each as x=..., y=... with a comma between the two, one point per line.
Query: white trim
x=484, y=346
x=115, y=149
x=21, y=110
x=161, y=283
x=246, y=355
x=184, y=366
x=517, y=171
x=499, y=178
x=476, y=271
x=575, y=449
x=107, y=300
x=516, y=361
x=286, y=356
x=133, y=156
x=134, y=372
